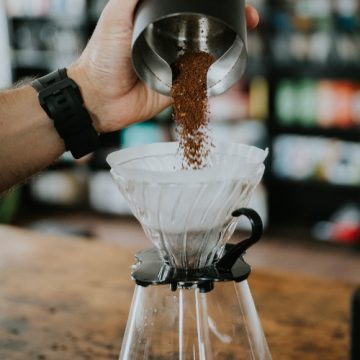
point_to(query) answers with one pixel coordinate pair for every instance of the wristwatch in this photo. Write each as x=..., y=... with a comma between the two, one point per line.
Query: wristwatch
x=61, y=99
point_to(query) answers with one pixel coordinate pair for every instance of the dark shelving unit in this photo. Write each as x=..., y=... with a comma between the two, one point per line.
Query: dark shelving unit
x=336, y=133
x=291, y=202
x=316, y=71
x=308, y=201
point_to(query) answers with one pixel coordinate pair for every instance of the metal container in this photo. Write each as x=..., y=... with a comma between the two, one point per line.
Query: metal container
x=165, y=29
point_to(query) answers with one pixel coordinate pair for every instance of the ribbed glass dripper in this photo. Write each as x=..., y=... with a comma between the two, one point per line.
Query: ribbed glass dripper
x=187, y=213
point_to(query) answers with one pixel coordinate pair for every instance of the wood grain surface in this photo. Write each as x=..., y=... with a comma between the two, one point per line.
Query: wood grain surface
x=68, y=298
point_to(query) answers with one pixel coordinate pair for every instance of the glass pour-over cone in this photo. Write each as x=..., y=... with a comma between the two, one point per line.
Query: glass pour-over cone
x=187, y=214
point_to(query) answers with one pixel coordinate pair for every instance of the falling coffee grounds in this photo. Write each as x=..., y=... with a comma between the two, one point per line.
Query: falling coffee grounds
x=191, y=109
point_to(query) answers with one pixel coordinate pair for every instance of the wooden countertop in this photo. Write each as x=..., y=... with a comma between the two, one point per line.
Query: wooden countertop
x=68, y=298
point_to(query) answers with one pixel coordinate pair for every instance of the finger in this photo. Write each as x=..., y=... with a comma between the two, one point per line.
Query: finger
x=157, y=103
x=153, y=102
x=252, y=17
x=120, y=11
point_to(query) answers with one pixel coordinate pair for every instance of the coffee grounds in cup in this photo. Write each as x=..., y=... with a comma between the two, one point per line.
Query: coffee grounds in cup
x=191, y=109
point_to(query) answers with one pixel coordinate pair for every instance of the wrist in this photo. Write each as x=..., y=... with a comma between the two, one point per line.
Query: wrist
x=60, y=97
x=88, y=92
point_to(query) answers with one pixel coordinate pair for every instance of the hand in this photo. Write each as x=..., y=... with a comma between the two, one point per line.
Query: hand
x=113, y=94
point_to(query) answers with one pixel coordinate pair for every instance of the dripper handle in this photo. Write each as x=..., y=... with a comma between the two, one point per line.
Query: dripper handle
x=232, y=255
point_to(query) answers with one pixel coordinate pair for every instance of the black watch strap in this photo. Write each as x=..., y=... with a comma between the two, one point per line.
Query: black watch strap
x=61, y=99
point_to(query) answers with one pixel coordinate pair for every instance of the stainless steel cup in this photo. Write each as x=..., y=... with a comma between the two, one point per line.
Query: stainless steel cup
x=164, y=29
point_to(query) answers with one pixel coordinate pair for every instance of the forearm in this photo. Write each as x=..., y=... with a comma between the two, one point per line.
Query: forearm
x=28, y=139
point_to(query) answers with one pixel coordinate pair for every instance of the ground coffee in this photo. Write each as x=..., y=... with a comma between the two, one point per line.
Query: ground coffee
x=191, y=110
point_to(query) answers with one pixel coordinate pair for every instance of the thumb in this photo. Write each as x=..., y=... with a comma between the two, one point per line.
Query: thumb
x=119, y=12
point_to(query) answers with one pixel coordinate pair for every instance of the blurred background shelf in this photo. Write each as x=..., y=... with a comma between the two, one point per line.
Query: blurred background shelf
x=315, y=185
x=330, y=70
x=300, y=97
x=61, y=19
x=336, y=133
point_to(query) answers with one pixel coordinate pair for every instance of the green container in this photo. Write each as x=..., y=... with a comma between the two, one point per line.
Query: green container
x=306, y=103
x=285, y=103
x=8, y=206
